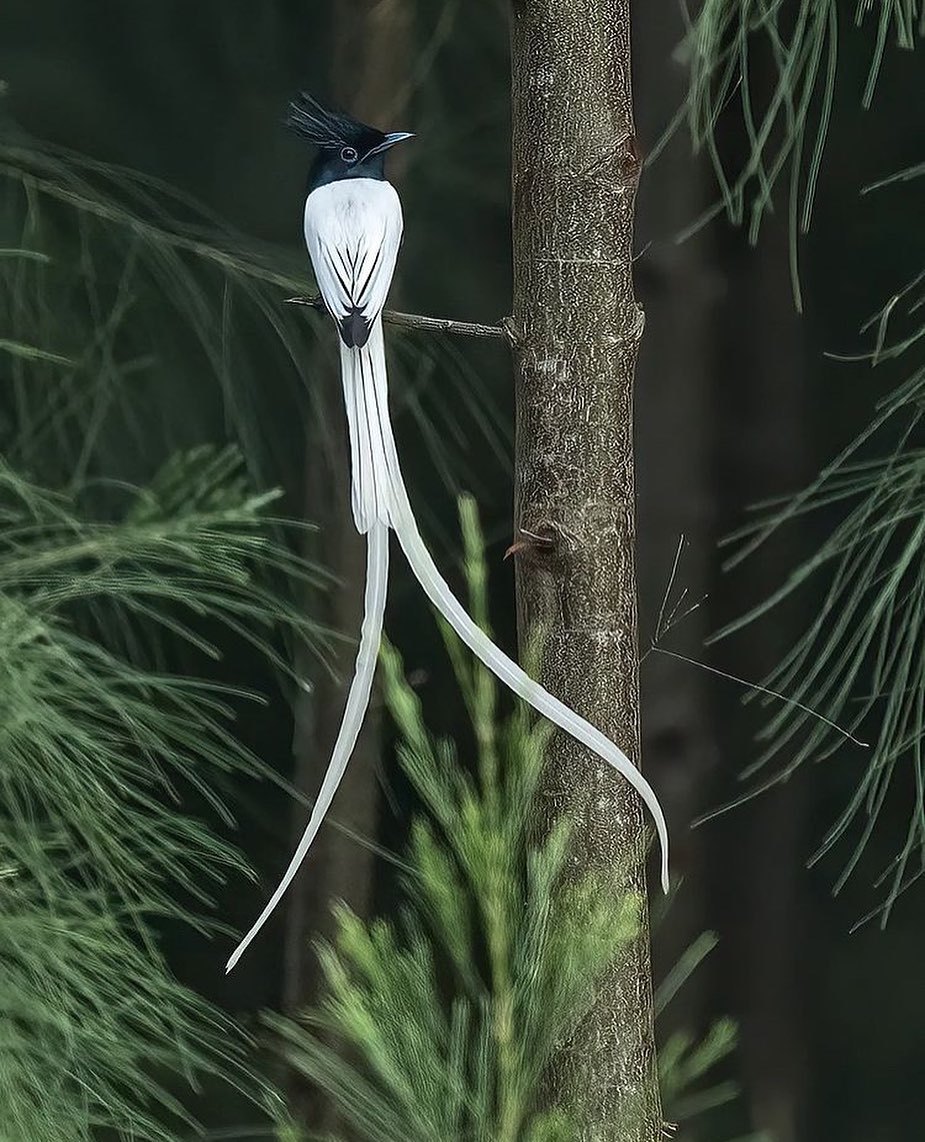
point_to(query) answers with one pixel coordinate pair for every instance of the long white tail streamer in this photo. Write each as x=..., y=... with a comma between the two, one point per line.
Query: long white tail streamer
x=377, y=575
x=379, y=500
x=504, y=668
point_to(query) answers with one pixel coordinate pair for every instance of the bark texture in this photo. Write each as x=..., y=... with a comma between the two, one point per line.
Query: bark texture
x=575, y=171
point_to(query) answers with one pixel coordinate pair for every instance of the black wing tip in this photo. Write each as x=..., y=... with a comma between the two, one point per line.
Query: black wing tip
x=354, y=329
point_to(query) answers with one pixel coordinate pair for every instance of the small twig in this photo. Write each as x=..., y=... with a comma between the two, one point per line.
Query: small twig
x=427, y=324
x=662, y=627
x=668, y=590
x=763, y=690
x=539, y=544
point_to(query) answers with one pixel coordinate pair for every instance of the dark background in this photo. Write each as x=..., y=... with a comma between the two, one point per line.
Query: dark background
x=736, y=401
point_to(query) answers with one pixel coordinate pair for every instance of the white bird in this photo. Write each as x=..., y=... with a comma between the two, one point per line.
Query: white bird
x=353, y=230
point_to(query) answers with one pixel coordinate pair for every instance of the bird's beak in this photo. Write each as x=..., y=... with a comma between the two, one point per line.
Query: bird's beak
x=391, y=140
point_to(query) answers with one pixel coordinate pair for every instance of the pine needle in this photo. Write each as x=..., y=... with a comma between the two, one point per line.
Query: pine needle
x=785, y=121
x=862, y=659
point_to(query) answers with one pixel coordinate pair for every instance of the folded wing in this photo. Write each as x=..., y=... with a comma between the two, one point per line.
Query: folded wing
x=353, y=231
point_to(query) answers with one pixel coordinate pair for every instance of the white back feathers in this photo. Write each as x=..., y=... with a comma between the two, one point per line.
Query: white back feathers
x=353, y=231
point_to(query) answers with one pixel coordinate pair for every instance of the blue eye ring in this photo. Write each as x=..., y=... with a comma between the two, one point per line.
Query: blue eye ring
x=349, y=155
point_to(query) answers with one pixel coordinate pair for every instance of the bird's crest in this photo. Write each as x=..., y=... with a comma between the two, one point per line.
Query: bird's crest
x=326, y=128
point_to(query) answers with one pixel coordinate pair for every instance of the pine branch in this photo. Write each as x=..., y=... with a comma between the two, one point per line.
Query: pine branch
x=786, y=112
x=861, y=660
x=102, y=746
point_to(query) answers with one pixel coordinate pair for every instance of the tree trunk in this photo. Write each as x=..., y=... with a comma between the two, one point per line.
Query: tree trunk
x=575, y=170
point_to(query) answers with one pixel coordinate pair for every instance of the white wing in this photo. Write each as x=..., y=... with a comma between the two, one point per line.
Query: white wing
x=353, y=231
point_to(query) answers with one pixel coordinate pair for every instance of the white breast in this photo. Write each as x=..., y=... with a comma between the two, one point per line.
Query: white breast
x=353, y=231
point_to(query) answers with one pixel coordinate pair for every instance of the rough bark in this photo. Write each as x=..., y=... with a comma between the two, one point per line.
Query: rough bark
x=575, y=171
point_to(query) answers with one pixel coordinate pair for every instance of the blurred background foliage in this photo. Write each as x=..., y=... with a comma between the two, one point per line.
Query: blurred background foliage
x=150, y=211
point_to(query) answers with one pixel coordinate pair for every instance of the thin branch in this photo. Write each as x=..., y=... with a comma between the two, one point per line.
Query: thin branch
x=763, y=690
x=427, y=324
x=662, y=628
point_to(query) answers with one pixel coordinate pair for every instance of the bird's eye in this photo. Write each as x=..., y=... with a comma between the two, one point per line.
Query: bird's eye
x=349, y=155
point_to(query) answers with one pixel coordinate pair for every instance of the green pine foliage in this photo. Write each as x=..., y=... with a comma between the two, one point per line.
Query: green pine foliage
x=133, y=325
x=101, y=752
x=112, y=760
x=732, y=48
x=118, y=592
x=862, y=659
x=860, y=663
x=695, y=1073
x=441, y=1024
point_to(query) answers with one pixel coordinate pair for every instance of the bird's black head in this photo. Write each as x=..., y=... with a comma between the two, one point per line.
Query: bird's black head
x=346, y=147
